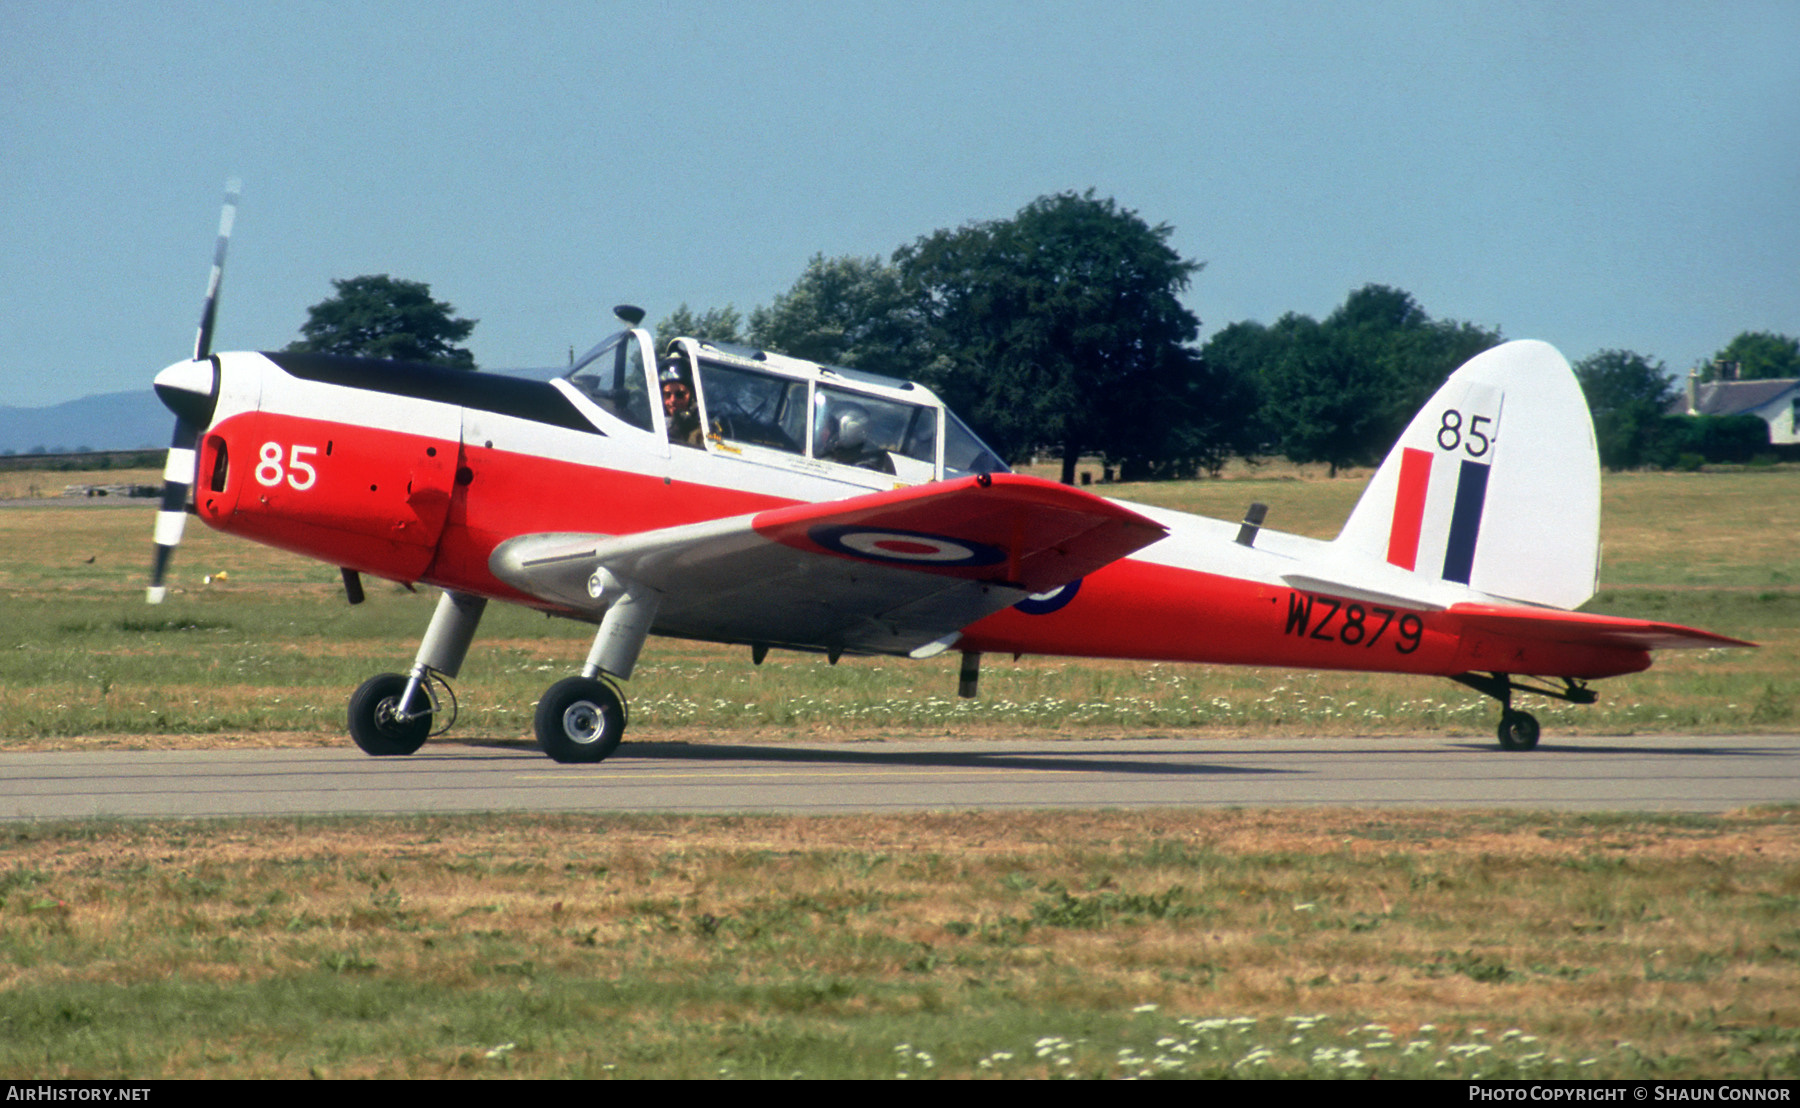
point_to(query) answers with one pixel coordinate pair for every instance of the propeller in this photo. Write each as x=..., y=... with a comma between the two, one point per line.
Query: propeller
x=189, y=389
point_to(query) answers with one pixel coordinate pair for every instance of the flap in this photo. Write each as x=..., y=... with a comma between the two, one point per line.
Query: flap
x=885, y=573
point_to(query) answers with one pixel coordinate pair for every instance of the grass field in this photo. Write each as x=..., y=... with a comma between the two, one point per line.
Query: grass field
x=1091, y=945
x=1152, y=944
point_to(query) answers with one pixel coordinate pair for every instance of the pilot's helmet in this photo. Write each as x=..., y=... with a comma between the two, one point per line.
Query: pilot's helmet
x=852, y=425
x=671, y=372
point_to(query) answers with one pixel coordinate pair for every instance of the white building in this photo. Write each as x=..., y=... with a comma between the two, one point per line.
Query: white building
x=1775, y=399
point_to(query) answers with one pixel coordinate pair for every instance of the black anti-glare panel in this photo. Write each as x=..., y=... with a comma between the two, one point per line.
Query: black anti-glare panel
x=537, y=401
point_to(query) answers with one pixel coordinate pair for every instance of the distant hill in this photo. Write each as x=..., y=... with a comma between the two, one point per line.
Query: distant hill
x=112, y=421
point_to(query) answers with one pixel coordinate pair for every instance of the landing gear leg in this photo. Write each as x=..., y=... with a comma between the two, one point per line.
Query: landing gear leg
x=392, y=714
x=582, y=719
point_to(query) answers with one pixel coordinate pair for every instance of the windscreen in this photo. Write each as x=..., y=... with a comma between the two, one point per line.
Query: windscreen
x=742, y=405
x=612, y=376
x=964, y=454
x=859, y=429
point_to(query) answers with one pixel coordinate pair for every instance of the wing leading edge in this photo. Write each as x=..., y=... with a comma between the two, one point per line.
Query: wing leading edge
x=888, y=573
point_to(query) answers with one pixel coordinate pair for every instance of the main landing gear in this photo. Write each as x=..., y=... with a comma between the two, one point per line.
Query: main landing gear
x=1519, y=730
x=579, y=719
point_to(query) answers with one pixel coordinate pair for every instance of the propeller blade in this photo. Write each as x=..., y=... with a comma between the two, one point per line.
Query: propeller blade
x=189, y=389
x=171, y=515
x=210, y=309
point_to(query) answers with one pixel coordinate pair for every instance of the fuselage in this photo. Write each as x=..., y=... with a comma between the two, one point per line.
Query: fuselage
x=417, y=474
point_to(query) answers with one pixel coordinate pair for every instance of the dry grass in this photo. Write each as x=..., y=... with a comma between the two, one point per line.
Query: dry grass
x=1731, y=530
x=961, y=936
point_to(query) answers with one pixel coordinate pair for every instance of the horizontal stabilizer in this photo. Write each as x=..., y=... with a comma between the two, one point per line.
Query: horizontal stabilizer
x=1339, y=586
x=1584, y=629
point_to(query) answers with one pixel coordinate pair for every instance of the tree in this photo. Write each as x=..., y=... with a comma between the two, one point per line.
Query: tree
x=1323, y=401
x=1627, y=394
x=1213, y=421
x=1689, y=440
x=1411, y=353
x=1759, y=355
x=1341, y=391
x=1063, y=327
x=715, y=325
x=383, y=317
x=1240, y=353
x=846, y=311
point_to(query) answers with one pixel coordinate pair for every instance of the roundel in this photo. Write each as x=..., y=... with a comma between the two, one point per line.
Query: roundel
x=1043, y=603
x=906, y=547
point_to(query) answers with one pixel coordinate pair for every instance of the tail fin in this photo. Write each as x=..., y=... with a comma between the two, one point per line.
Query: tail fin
x=1495, y=484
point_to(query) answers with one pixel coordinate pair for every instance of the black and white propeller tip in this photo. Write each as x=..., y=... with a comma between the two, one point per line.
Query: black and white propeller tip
x=190, y=389
x=210, y=306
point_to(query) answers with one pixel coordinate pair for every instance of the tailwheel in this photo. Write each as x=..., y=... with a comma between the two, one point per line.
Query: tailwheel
x=1518, y=730
x=375, y=718
x=580, y=719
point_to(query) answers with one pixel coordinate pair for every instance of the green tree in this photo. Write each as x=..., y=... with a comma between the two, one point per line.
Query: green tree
x=1341, y=391
x=1063, y=327
x=714, y=325
x=1411, y=352
x=1213, y=420
x=846, y=311
x=1240, y=355
x=1323, y=401
x=1688, y=440
x=1759, y=355
x=1627, y=394
x=383, y=317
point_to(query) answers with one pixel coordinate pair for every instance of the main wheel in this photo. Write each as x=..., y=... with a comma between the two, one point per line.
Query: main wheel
x=580, y=719
x=372, y=722
x=1518, y=730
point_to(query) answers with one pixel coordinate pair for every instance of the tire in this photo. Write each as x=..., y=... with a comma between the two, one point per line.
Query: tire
x=372, y=722
x=1518, y=730
x=580, y=719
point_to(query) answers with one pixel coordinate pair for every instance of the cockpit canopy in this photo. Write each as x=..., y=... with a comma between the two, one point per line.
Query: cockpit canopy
x=781, y=411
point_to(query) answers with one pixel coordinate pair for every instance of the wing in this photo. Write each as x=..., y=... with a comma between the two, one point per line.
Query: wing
x=1582, y=628
x=889, y=573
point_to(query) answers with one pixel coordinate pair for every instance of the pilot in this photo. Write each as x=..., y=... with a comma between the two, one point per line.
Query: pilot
x=678, y=405
x=844, y=438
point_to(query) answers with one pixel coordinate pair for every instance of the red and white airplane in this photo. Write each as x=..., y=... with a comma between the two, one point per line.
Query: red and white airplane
x=809, y=507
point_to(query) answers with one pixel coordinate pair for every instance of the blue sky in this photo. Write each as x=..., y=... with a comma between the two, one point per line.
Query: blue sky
x=1598, y=175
